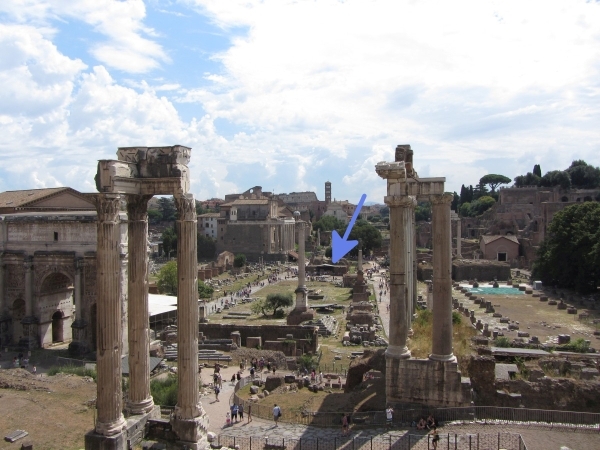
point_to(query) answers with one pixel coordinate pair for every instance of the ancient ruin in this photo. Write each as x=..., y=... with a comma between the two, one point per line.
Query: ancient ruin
x=301, y=311
x=434, y=381
x=137, y=175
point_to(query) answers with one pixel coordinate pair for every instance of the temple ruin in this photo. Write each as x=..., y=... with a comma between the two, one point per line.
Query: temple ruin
x=435, y=381
x=137, y=175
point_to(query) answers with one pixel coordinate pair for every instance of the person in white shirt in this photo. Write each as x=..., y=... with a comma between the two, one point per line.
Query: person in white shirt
x=276, y=413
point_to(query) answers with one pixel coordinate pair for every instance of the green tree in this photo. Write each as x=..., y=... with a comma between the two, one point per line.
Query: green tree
x=385, y=211
x=556, y=178
x=527, y=180
x=537, y=170
x=207, y=246
x=167, y=279
x=204, y=290
x=583, y=175
x=169, y=240
x=239, y=260
x=328, y=223
x=493, y=181
x=465, y=209
x=328, y=252
x=258, y=307
x=154, y=216
x=276, y=302
x=455, y=202
x=569, y=257
x=423, y=212
x=166, y=206
x=367, y=234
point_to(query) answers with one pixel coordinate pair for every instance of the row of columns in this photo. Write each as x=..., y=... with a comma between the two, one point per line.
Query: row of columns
x=187, y=421
x=402, y=283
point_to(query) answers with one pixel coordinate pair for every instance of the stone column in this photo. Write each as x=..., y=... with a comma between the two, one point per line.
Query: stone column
x=359, y=267
x=189, y=421
x=28, y=265
x=398, y=284
x=109, y=401
x=458, y=238
x=442, y=279
x=409, y=212
x=78, y=326
x=301, y=291
x=139, y=401
x=77, y=293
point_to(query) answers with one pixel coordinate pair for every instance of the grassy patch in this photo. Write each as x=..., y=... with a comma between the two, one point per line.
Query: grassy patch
x=73, y=370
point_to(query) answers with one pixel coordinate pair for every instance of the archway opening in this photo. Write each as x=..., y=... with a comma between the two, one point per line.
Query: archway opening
x=57, y=327
x=18, y=313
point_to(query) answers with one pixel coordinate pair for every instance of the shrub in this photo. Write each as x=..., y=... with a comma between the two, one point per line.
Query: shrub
x=424, y=317
x=579, y=346
x=164, y=391
x=456, y=318
x=502, y=342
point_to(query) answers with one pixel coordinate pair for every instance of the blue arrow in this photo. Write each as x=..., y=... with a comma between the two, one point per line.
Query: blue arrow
x=341, y=246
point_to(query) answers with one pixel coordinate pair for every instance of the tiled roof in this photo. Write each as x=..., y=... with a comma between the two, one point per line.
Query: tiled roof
x=209, y=215
x=15, y=199
x=239, y=202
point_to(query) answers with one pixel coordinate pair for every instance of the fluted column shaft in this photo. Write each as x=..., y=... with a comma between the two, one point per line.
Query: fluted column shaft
x=399, y=243
x=139, y=401
x=28, y=286
x=301, y=255
x=188, y=405
x=108, y=303
x=442, y=279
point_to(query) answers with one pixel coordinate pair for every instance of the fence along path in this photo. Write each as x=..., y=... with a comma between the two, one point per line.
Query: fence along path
x=487, y=441
x=405, y=417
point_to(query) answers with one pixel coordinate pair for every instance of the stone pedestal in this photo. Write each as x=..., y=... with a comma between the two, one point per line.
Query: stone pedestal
x=427, y=382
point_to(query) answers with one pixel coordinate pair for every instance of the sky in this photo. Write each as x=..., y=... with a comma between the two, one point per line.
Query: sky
x=288, y=94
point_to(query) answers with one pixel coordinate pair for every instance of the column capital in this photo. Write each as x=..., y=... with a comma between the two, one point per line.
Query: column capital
x=391, y=170
x=108, y=207
x=137, y=207
x=400, y=201
x=301, y=225
x=441, y=199
x=186, y=207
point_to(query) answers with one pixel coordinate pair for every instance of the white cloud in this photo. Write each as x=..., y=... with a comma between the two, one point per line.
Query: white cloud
x=121, y=22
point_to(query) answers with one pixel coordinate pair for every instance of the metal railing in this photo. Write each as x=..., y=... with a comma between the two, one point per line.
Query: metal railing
x=487, y=441
x=408, y=417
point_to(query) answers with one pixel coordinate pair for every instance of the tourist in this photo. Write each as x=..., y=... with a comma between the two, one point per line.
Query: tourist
x=228, y=419
x=249, y=412
x=436, y=437
x=241, y=411
x=389, y=415
x=232, y=378
x=422, y=424
x=34, y=370
x=276, y=414
x=345, y=424
x=252, y=372
x=430, y=422
x=234, y=413
x=217, y=390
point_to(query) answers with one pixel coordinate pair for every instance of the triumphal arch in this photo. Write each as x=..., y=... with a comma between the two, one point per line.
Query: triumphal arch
x=137, y=175
x=435, y=381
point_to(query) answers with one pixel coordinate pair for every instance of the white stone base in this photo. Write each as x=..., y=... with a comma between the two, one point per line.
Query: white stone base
x=426, y=382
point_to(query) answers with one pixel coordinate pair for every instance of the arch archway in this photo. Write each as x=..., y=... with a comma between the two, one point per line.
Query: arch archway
x=57, y=327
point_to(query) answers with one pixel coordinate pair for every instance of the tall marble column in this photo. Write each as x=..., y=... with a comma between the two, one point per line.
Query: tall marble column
x=301, y=291
x=442, y=279
x=139, y=401
x=109, y=401
x=78, y=326
x=77, y=291
x=399, y=243
x=189, y=422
